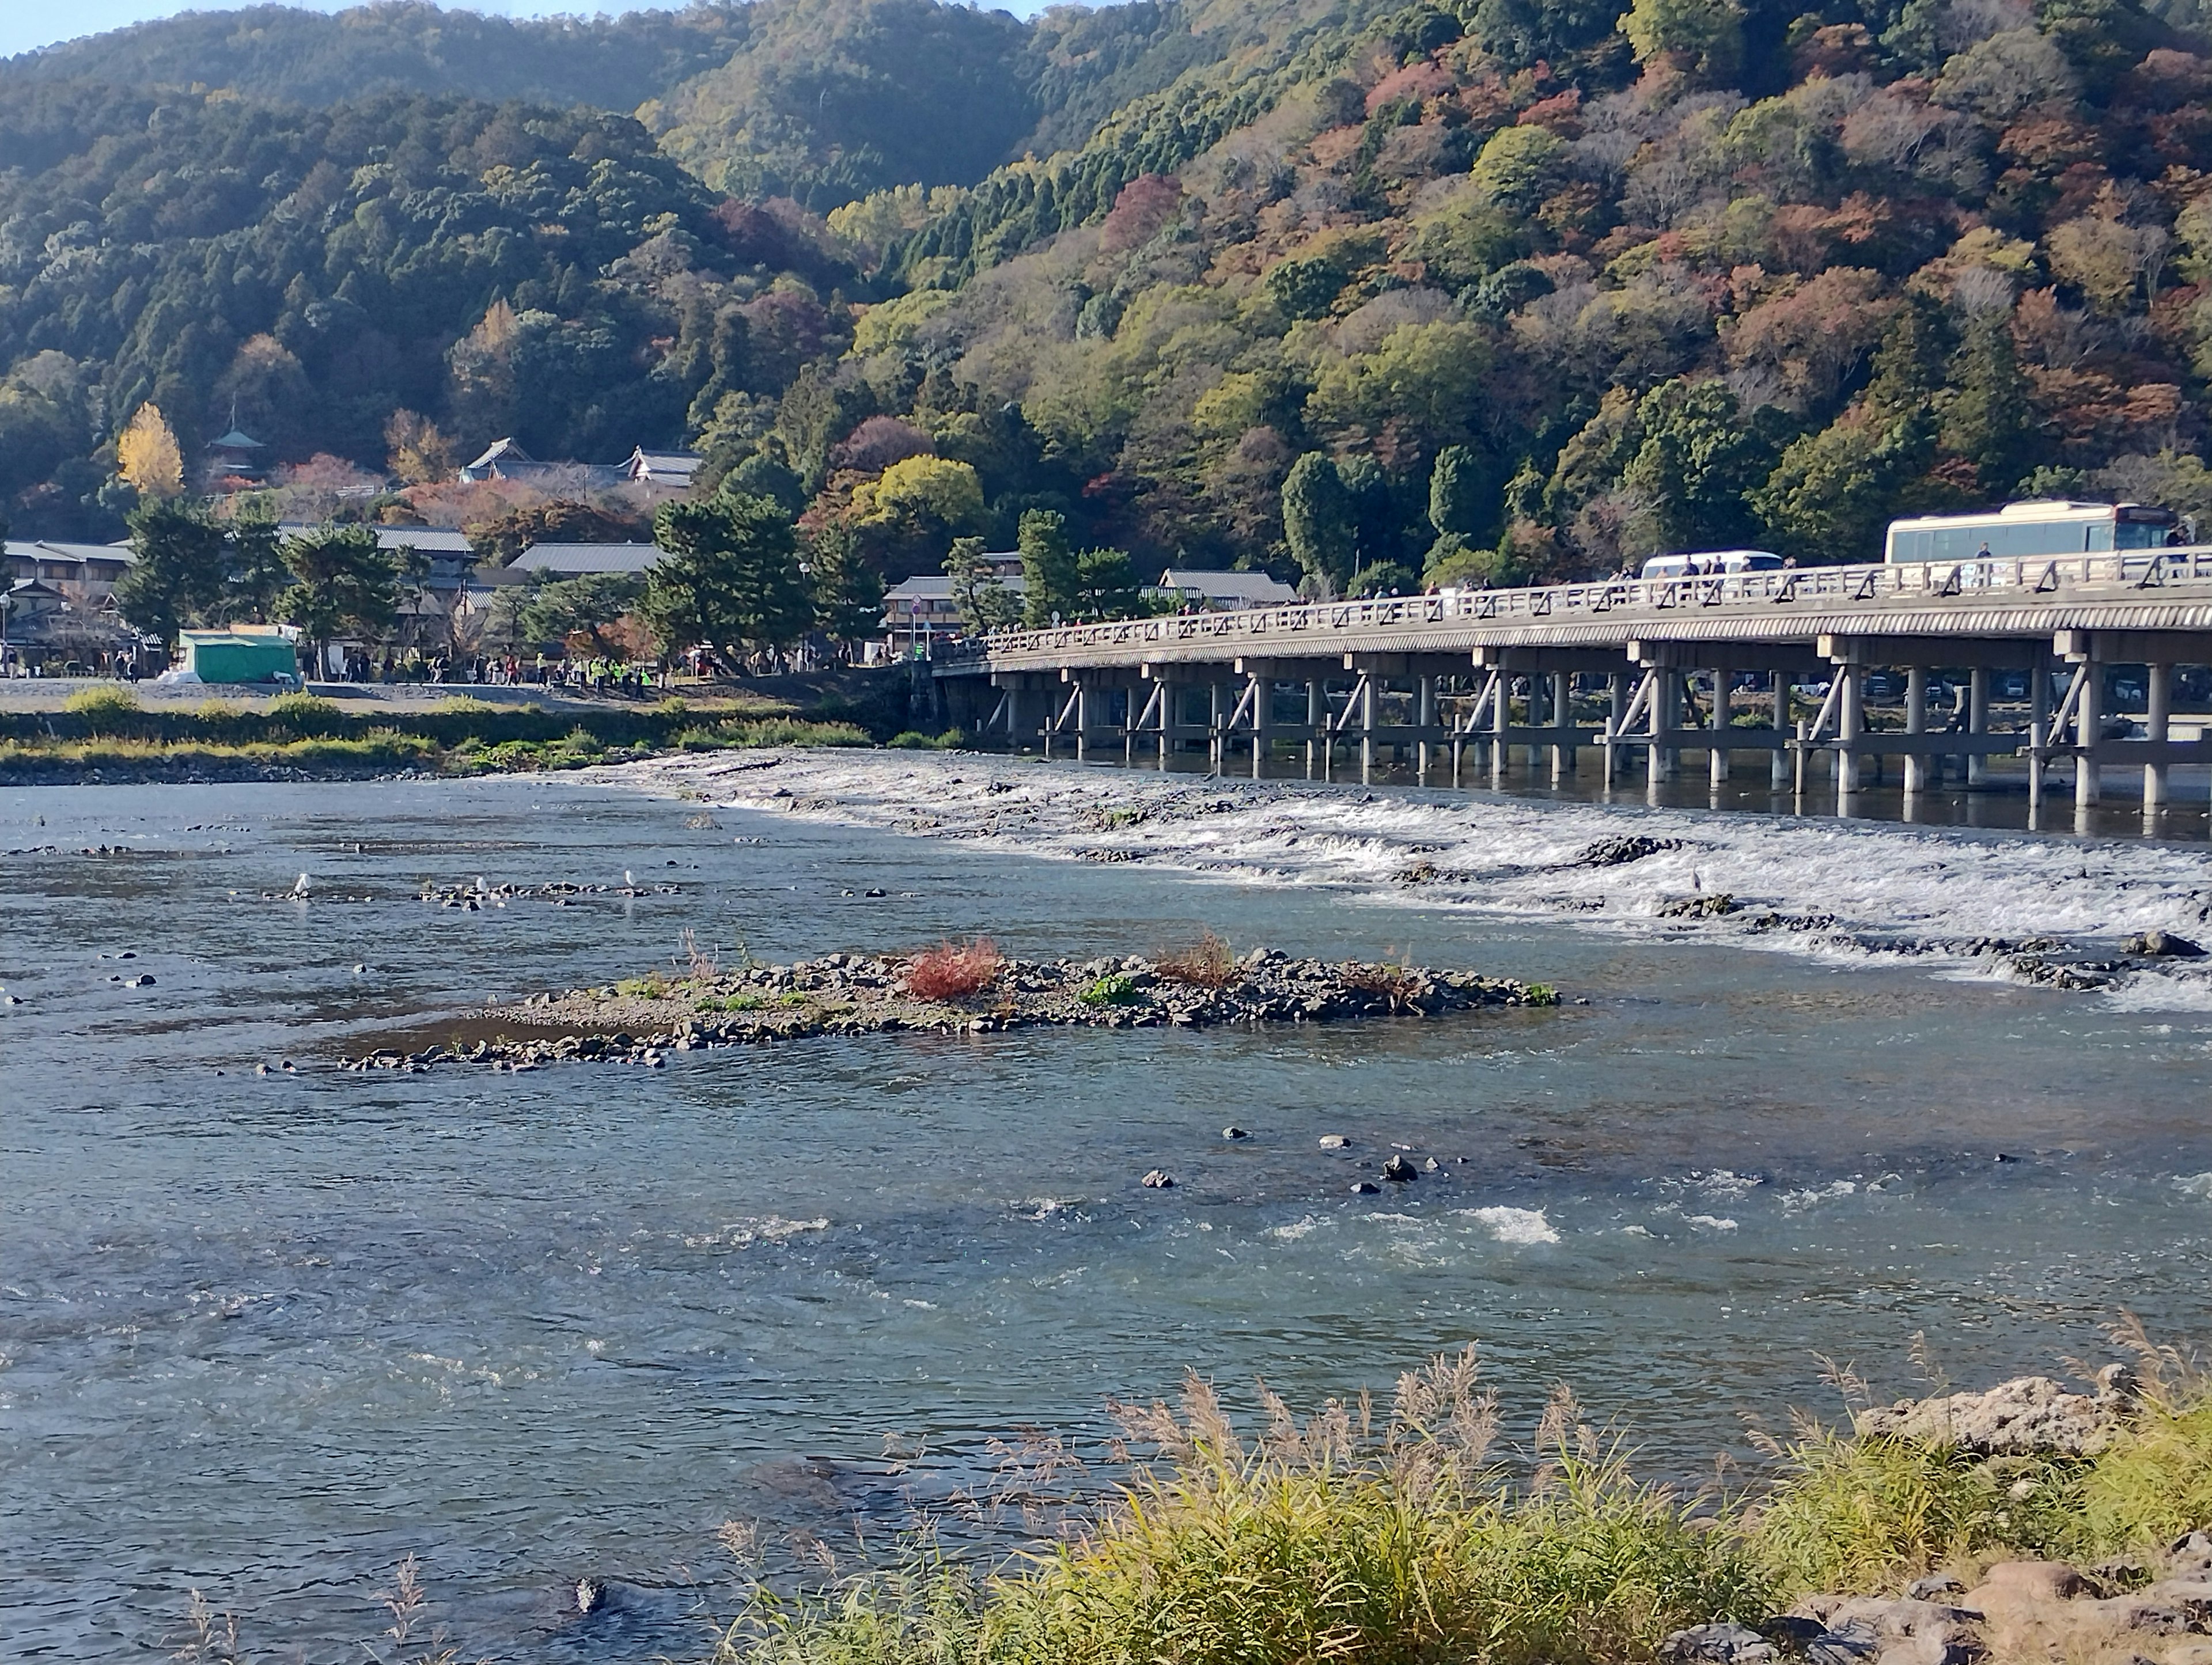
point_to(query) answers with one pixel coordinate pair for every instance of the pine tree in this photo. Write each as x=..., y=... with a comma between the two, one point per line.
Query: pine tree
x=984, y=602
x=848, y=593
x=731, y=577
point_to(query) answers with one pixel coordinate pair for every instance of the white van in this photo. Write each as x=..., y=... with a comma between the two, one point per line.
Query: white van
x=1710, y=563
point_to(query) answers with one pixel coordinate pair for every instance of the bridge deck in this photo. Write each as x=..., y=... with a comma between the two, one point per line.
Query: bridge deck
x=2023, y=599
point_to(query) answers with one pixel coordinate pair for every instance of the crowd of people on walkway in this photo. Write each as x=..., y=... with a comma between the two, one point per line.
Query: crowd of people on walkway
x=596, y=676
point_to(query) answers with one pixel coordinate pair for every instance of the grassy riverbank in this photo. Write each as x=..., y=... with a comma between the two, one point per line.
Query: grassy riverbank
x=107, y=735
x=1405, y=1539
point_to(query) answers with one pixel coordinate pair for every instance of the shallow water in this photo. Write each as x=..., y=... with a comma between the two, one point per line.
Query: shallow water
x=265, y=1334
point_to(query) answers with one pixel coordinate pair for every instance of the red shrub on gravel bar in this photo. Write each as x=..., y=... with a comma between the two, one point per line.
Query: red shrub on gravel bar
x=952, y=969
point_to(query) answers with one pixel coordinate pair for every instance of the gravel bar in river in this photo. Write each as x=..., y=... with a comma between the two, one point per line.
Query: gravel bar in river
x=639, y=1019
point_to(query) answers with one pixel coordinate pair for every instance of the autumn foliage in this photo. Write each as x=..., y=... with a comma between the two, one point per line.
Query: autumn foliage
x=952, y=969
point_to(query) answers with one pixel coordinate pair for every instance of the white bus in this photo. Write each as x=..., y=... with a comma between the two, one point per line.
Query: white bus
x=1710, y=563
x=2054, y=527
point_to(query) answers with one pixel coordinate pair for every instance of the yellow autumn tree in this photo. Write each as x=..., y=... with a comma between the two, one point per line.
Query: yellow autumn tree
x=420, y=455
x=147, y=455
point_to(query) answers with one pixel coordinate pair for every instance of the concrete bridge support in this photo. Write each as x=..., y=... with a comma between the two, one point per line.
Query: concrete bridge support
x=1777, y=770
x=2157, y=692
x=1915, y=722
x=1719, y=758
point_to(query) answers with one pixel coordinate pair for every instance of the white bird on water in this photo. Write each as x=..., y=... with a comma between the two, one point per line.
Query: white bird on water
x=300, y=889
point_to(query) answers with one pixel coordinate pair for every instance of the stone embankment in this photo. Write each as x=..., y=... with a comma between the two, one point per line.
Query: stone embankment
x=641, y=1020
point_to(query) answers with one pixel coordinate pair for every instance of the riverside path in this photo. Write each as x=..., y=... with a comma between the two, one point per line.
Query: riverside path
x=2021, y=653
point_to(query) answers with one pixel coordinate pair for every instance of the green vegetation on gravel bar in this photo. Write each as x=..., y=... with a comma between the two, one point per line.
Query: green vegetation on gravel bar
x=108, y=730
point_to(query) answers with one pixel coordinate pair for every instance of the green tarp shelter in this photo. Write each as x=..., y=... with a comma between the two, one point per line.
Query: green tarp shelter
x=238, y=656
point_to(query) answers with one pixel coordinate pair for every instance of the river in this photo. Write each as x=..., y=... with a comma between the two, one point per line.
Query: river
x=265, y=1334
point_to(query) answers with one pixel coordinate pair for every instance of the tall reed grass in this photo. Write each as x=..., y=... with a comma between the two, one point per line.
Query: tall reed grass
x=1412, y=1543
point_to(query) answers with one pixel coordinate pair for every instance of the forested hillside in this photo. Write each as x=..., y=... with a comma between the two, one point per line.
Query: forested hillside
x=1540, y=288
x=1516, y=287
x=290, y=55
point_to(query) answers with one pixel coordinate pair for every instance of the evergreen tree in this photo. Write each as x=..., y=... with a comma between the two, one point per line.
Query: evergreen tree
x=1049, y=568
x=1318, y=522
x=583, y=606
x=731, y=576
x=1698, y=460
x=346, y=585
x=985, y=603
x=176, y=579
x=1987, y=420
x=1107, y=584
x=1463, y=495
x=848, y=593
x=255, y=577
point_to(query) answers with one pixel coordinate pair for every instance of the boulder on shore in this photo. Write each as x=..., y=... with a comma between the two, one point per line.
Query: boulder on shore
x=2027, y=1416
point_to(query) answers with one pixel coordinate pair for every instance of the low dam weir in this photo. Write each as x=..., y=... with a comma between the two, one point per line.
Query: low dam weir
x=1641, y=671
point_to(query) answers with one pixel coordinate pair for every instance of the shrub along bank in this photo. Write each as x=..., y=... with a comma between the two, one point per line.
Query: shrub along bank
x=105, y=731
x=1410, y=1543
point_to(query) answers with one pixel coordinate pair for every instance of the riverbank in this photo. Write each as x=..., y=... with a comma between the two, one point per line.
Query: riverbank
x=107, y=736
x=2027, y=1523
x=956, y=988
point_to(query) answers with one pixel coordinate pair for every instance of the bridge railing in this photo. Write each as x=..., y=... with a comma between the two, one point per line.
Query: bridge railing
x=1259, y=628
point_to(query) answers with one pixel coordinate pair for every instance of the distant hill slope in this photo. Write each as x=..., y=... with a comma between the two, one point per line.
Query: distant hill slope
x=282, y=52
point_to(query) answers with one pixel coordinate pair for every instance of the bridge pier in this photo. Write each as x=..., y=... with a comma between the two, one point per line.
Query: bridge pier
x=1915, y=722
x=2157, y=692
x=1851, y=719
x=1425, y=717
x=1777, y=768
x=1616, y=710
x=1977, y=724
x=1719, y=759
x=2088, y=726
x=1563, y=717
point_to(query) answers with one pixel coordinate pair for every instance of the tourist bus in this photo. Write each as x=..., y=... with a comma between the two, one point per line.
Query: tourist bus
x=2055, y=527
x=1708, y=562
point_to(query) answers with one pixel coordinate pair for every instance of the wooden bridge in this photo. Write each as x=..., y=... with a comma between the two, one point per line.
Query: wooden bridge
x=1718, y=665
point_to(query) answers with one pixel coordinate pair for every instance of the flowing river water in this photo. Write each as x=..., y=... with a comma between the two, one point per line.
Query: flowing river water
x=265, y=1334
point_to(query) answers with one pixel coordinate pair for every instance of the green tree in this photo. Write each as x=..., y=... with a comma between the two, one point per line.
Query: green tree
x=1832, y=494
x=345, y=583
x=848, y=593
x=1703, y=38
x=181, y=556
x=1305, y=288
x=1519, y=167
x=1414, y=394
x=582, y=606
x=985, y=603
x=255, y=576
x=1698, y=459
x=1319, y=523
x=1464, y=494
x=731, y=576
x=1987, y=420
x=1049, y=568
x=1107, y=584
